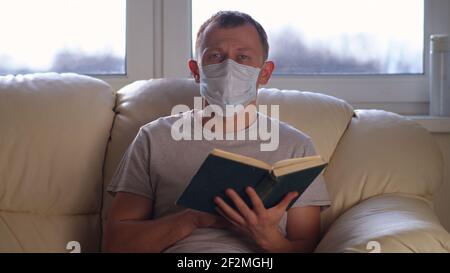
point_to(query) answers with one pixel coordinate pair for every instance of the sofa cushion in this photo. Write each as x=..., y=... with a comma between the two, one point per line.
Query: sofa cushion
x=54, y=130
x=31, y=232
x=387, y=223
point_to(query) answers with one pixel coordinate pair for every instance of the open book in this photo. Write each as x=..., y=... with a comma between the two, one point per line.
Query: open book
x=222, y=170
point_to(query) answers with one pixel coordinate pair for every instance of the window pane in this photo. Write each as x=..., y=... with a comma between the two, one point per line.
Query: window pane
x=83, y=36
x=334, y=37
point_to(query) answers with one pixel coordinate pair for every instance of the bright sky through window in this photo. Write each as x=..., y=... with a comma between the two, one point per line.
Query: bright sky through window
x=334, y=37
x=86, y=36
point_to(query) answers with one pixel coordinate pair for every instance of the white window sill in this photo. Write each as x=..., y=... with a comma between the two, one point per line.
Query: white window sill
x=433, y=124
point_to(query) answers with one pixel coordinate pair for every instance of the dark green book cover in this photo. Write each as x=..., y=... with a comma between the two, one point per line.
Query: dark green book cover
x=216, y=174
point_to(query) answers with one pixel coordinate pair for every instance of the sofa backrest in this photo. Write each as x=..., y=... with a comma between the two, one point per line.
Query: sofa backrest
x=381, y=153
x=54, y=130
x=322, y=117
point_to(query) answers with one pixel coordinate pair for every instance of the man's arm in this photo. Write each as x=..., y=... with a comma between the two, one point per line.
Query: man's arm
x=129, y=229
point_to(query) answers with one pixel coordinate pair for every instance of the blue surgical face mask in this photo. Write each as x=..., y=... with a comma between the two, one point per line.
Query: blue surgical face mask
x=228, y=83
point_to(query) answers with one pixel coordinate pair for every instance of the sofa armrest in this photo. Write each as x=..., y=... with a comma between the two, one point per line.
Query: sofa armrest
x=387, y=223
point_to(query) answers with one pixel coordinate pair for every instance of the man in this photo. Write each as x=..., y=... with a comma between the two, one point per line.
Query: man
x=231, y=54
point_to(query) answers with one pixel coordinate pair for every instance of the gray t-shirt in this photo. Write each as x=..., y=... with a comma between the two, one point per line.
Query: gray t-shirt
x=159, y=167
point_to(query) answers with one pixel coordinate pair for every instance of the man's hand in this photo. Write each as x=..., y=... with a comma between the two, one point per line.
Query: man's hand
x=259, y=223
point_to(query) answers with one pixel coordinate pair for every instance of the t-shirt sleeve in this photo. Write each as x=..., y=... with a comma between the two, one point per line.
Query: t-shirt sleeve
x=316, y=194
x=132, y=174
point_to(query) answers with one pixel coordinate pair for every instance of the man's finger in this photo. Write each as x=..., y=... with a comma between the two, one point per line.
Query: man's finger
x=258, y=205
x=234, y=226
x=229, y=212
x=286, y=200
x=223, y=222
x=240, y=204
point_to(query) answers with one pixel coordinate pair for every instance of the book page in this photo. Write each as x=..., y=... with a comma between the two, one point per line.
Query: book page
x=289, y=166
x=242, y=159
x=298, y=160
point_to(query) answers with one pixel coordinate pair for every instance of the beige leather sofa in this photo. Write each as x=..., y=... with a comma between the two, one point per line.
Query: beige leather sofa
x=62, y=136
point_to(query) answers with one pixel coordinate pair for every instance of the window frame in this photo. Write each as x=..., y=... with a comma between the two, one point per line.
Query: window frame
x=160, y=46
x=140, y=46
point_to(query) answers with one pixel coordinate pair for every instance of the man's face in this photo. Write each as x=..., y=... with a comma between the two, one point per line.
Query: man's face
x=241, y=44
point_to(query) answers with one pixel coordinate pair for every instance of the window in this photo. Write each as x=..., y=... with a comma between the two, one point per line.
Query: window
x=82, y=36
x=404, y=93
x=159, y=43
x=334, y=37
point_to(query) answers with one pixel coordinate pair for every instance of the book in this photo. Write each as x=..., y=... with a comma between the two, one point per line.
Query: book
x=222, y=170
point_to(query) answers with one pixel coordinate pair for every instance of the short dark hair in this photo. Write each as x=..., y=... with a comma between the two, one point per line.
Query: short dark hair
x=230, y=19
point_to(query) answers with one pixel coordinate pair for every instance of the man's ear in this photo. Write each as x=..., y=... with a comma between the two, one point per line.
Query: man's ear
x=193, y=66
x=266, y=72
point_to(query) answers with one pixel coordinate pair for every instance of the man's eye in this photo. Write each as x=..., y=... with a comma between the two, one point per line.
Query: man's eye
x=215, y=55
x=243, y=57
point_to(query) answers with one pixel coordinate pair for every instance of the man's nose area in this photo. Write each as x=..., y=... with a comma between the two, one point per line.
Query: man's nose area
x=232, y=56
x=230, y=51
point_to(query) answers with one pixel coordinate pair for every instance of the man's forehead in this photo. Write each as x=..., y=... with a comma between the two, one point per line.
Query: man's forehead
x=240, y=49
x=244, y=36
